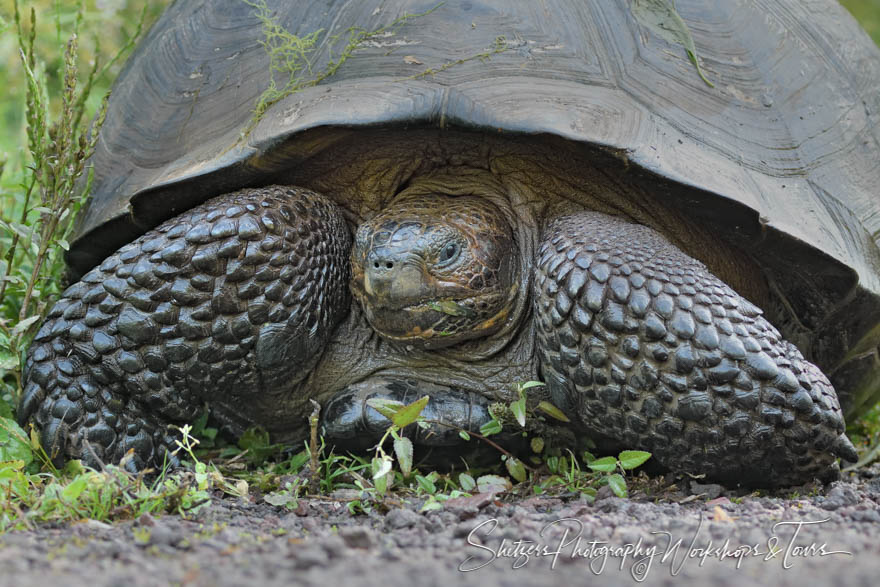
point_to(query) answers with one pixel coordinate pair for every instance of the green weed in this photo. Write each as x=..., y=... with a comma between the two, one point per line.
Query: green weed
x=500, y=45
x=290, y=55
x=661, y=18
x=76, y=492
x=552, y=473
x=42, y=189
x=865, y=434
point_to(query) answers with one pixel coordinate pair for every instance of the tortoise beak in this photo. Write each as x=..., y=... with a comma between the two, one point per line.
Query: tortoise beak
x=394, y=281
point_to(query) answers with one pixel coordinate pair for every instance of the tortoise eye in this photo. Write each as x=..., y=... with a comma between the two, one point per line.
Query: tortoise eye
x=449, y=253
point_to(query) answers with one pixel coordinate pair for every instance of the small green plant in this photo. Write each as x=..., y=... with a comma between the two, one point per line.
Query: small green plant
x=865, y=434
x=288, y=496
x=567, y=475
x=499, y=45
x=400, y=416
x=661, y=18
x=334, y=471
x=77, y=492
x=565, y=472
x=257, y=446
x=290, y=55
x=625, y=461
x=14, y=443
x=41, y=195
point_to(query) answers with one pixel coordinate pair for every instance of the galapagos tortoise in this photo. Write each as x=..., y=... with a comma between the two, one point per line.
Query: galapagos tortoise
x=488, y=193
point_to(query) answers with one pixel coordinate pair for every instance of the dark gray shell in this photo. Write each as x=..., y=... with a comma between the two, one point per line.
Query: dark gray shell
x=784, y=151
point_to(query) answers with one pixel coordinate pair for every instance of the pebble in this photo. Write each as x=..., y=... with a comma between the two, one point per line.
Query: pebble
x=309, y=556
x=237, y=545
x=708, y=490
x=357, y=537
x=401, y=518
x=872, y=516
x=161, y=534
x=840, y=496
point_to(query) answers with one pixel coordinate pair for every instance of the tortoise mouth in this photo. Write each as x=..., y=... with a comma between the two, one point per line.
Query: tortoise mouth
x=436, y=321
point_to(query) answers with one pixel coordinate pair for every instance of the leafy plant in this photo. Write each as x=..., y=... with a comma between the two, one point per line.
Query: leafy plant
x=76, y=492
x=625, y=461
x=566, y=473
x=290, y=55
x=43, y=193
x=400, y=416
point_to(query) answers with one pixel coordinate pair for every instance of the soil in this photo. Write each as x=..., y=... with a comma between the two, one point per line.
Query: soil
x=811, y=536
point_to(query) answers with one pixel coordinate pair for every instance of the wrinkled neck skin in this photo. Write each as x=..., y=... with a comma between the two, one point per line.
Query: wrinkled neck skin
x=491, y=363
x=531, y=180
x=469, y=207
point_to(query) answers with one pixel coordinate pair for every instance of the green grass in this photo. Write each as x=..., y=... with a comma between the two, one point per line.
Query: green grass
x=44, y=180
x=55, y=87
x=29, y=497
x=867, y=12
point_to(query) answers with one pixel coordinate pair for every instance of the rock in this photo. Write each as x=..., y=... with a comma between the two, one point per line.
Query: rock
x=873, y=488
x=357, y=537
x=334, y=546
x=708, y=490
x=872, y=516
x=161, y=534
x=840, y=496
x=467, y=507
x=609, y=503
x=87, y=527
x=401, y=518
x=603, y=493
x=309, y=556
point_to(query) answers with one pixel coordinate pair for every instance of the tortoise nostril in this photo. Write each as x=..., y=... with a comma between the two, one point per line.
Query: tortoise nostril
x=382, y=262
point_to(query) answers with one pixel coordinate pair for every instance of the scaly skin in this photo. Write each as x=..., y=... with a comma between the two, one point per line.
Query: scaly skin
x=228, y=303
x=233, y=302
x=654, y=352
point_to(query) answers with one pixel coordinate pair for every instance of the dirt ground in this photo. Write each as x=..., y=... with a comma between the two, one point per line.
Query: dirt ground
x=700, y=535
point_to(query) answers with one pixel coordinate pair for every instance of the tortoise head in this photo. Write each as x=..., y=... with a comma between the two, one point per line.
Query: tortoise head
x=435, y=270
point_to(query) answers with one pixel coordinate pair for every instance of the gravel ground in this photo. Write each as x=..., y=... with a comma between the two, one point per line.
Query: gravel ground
x=830, y=537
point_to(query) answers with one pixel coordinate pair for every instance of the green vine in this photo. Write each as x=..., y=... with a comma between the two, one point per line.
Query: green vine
x=290, y=55
x=499, y=45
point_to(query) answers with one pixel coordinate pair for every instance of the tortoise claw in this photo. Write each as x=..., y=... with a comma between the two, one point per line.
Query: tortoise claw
x=843, y=447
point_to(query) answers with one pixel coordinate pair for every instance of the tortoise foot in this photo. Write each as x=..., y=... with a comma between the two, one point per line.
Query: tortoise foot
x=231, y=302
x=80, y=420
x=349, y=423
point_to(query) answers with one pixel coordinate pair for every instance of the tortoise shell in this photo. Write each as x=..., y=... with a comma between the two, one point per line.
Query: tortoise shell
x=781, y=157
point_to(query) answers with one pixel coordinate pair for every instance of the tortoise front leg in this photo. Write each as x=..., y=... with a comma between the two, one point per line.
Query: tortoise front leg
x=230, y=303
x=350, y=423
x=652, y=351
